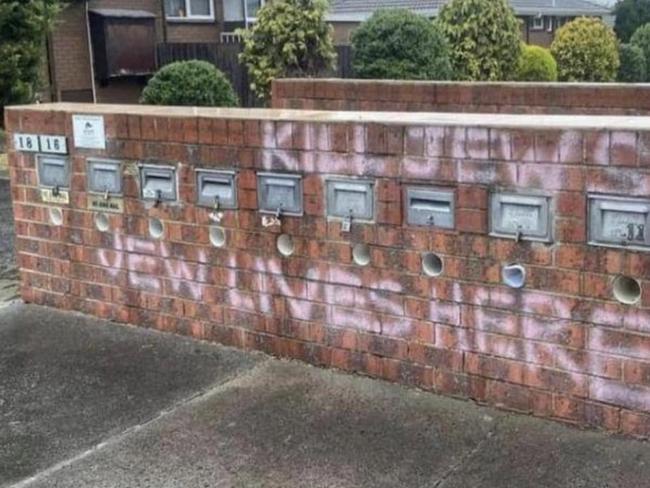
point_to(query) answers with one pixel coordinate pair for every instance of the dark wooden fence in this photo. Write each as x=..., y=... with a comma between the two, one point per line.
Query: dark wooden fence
x=225, y=56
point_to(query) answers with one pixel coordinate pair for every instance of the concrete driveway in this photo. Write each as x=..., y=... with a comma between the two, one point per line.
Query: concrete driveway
x=86, y=403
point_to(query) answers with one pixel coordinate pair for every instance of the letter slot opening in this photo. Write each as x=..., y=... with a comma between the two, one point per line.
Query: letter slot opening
x=105, y=177
x=350, y=199
x=216, y=188
x=277, y=192
x=619, y=222
x=430, y=207
x=521, y=217
x=158, y=183
x=54, y=172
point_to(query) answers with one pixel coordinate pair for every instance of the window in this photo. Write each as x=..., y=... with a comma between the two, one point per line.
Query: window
x=538, y=23
x=251, y=8
x=189, y=9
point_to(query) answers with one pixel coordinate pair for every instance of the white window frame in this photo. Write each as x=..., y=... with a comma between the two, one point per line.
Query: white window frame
x=538, y=23
x=247, y=19
x=188, y=13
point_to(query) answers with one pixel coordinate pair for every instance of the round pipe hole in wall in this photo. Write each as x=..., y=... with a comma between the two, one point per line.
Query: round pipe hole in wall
x=514, y=275
x=102, y=223
x=156, y=228
x=285, y=245
x=432, y=264
x=627, y=290
x=361, y=254
x=217, y=236
x=56, y=216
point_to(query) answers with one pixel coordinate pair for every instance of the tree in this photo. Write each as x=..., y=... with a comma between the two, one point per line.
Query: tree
x=586, y=49
x=630, y=15
x=633, y=64
x=641, y=39
x=399, y=44
x=536, y=64
x=484, y=38
x=189, y=83
x=290, y=39
x=23, y=29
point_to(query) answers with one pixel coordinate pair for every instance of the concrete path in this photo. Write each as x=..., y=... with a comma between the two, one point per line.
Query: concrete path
x=85, y=403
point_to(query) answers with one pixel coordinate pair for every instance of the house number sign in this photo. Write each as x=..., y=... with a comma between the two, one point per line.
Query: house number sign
x=41, y=143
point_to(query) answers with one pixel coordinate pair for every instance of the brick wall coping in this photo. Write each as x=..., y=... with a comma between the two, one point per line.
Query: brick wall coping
x=472, y=84
x=510, y=121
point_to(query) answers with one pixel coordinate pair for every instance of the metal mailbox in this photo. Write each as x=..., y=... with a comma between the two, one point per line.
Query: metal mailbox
x=279, y=192
x=53, y=172
x=618, y=221
x=520, y=216
x=105, y=177
x=430, y=206
x=216, y=188
x=349, y=198
x=158, y=182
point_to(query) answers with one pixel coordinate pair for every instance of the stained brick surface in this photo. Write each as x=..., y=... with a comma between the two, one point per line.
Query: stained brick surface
x=561, y=347
x=523, y=98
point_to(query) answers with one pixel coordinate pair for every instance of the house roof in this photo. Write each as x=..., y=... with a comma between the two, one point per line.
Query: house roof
x=360, y=10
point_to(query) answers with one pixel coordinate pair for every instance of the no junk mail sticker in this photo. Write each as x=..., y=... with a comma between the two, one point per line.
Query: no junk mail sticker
x=89, y=131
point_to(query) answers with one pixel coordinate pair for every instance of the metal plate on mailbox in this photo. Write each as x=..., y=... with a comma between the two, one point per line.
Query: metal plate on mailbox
x=104, y=177
x=60, y=197
x=53, y=172
x=279, y=191
x=216, y=187
x=158, y=182
x=618, y=221
x=430, y=206
x=350, y=198
x=526, y=216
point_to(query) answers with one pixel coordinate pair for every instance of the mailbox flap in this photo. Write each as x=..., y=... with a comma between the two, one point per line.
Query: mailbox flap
x=350, y=198
x=526, y=216
x=279, y=191
x=105, y=176
x=430, y=206
x=158, y=182
x=618, y=221
x=53, y=171
x=216, y=186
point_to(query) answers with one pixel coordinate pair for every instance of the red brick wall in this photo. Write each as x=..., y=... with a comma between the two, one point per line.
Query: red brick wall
x=539, y=98
x=559, y=348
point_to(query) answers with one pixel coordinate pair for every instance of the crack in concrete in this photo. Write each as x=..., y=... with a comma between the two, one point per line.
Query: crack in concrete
x=199, y=396
x=453, y=469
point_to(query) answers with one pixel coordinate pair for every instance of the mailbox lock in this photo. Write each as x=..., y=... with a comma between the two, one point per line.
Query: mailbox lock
x=56, y=191
x=159, y=198
x=272, y=221
x=346, y=225
x=518, y=234
x=431, y=220
x=215, y=215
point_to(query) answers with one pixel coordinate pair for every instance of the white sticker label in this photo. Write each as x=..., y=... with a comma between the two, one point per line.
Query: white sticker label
x=89, y=131
x=26, y=142
x=53, y=144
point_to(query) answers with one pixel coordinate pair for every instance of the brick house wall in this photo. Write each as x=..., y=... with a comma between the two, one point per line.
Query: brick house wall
x=433, y=96
x=69, y=60
x=561, y=347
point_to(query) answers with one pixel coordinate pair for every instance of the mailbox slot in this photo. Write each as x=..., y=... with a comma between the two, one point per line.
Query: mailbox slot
x=158, y=182
x=617, y=221
x=216, y=187
x=279, y=191
x=430, y=206
x=523, y=216
x=53, y=172
x=105, y=177
x=350, y=198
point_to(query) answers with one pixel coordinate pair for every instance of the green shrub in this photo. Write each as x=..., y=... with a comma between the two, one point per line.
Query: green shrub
x=291, y=38
x=484, y=39
x=586, y=49
x=193, y=83
x=641, y=39
x=399, y=44
x=536, y=64
x=24, y=26
x=633, y=64
x=630, y=15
